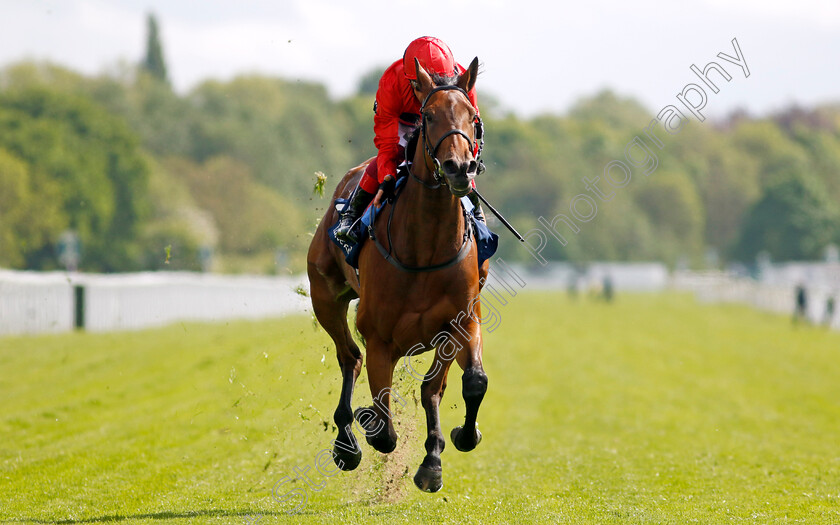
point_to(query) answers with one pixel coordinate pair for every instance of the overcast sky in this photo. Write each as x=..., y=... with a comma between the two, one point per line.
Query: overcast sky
x=537, y=55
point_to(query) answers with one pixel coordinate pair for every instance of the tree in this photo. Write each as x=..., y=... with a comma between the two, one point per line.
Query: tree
x=250, y=216
x=154, y=63
x=283, y=131
x=793, y=220
x=618, y=112
x=90, y=166
x=673, y=206
x=178, y=228
x=28, y=218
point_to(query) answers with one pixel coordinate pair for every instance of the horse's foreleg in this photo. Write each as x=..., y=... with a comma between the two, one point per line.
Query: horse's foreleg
x=377, y=420
x=429, y=476
x=474, y=381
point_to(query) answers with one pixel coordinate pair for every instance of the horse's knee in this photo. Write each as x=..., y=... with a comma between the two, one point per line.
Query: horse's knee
x=474, y=384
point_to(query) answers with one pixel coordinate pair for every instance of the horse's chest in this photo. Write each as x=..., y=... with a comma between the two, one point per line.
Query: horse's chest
x=409, y=322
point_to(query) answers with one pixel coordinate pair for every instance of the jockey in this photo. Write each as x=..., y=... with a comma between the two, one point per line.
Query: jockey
x=397, y=115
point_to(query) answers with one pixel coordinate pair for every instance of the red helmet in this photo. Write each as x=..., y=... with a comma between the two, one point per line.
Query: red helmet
x=432, y=53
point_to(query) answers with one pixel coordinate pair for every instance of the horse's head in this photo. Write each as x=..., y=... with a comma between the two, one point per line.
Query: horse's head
x=449, y=124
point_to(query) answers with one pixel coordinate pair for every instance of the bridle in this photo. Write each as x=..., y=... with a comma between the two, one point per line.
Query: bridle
x=431, y=152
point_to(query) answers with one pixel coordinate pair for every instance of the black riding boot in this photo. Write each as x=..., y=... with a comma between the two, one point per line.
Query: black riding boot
x=352, y=211
x=477, y=212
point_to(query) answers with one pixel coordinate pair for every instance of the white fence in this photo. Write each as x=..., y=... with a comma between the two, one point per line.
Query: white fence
x=36, y=302
x=775, y=292
x=32, y=302
x=58, y=302
x=635, y=277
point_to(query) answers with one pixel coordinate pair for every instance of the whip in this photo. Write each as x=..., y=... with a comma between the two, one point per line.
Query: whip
x=499, y=215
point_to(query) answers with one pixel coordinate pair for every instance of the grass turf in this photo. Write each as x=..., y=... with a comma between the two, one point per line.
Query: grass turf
x=653, y=409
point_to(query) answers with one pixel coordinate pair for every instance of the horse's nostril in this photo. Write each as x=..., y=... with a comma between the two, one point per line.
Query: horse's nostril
x=450, y=167
x=472, y=167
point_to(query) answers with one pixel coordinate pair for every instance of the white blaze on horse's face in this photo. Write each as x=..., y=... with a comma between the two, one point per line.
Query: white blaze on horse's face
x=452, y=113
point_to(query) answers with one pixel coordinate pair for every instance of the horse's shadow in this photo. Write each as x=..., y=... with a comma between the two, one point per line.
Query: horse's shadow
x=248, y=516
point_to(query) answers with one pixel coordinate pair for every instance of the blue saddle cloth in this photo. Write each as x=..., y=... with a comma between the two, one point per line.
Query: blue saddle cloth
x=487, y=242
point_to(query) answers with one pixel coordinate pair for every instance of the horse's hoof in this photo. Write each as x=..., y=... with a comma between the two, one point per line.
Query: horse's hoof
x=455, y=436
x=347, y=460
x=382, y=440
x=428, y=480
x=367, y=420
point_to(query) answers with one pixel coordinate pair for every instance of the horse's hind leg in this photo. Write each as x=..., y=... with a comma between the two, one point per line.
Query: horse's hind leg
x=429, y=476
x=331, y=312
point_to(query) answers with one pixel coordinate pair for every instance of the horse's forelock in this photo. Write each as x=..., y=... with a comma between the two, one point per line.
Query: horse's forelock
x=441, y=80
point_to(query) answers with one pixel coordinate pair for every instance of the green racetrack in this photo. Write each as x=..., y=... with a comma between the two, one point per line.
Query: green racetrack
x=653, y=409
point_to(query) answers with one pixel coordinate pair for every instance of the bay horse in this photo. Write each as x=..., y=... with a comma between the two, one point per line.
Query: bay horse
x=413, y=297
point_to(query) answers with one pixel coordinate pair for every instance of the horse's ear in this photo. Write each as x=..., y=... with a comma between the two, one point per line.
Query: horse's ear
x=423, y=79
x=467, y=79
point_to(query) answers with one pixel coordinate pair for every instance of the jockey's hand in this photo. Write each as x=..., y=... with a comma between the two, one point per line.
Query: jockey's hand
x=385, y=189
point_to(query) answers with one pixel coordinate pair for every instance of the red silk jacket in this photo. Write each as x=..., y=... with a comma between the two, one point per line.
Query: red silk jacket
x=395, y=103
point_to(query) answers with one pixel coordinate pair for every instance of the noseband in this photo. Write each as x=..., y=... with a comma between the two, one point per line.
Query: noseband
x=437, y=172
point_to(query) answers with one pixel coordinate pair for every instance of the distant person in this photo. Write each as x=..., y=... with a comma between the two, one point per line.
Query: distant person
x=829, y=311
x=800, y=312
x=607, y=289
x=572, y=285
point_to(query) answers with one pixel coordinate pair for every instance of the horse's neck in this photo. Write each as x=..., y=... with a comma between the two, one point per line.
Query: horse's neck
x=431, y=225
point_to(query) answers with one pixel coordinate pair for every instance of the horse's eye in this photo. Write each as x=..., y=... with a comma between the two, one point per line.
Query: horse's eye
x=428, y=116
